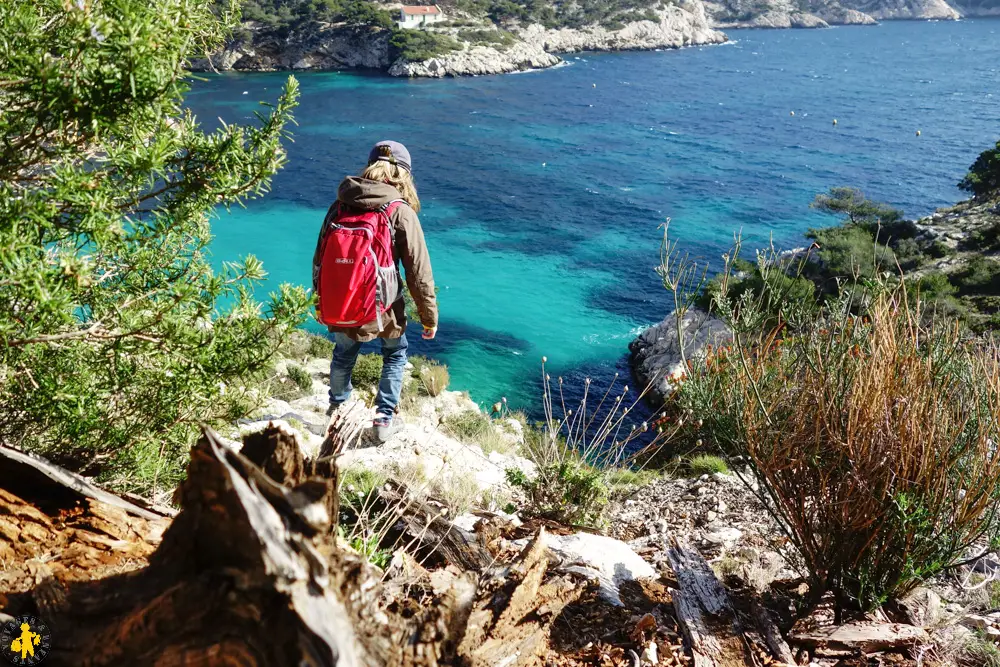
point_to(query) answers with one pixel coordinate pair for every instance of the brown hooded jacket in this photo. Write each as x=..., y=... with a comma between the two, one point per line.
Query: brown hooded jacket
x=409, y=249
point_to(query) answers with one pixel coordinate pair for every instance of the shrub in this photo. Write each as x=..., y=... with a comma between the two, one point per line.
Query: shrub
x=295, y=345
x=985, y=238
x=118, y=335
x=500, y=38
x=320, y=347
x=873, y=217
x=418, y=45
x=871, y=438
x=300, y=377
x=579, y=456
x=983, y=179
x=433, y=377
x=707, y=464
x=284, y=388
x=569, y=491
x=476, y=428
x=367, y=370
x=849, y=251
x=365, y=518
x=359, y=12
x=981, y=275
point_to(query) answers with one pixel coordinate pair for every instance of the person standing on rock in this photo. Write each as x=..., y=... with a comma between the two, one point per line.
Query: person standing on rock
x=368, y=232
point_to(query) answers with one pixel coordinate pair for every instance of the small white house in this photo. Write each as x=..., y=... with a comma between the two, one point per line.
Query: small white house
x=417, y=16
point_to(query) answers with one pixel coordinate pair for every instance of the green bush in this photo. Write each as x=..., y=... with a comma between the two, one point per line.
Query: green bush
x=364, y=516
x=500, y=38
x=983, y=179
x=873, y=217
x=300, y=377
x=981, y=275
x=984, y=239
x=118, y=334
x=569, y=491
x=707, y=464
x=849, y=251
x=467, y=424
x=418, y=45
x=320, y=347
x=477, y=428
x=285, y=15
x=367, y=370
x=358, y=12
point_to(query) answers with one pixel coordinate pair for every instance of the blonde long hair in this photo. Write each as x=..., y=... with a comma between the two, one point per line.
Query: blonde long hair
x=397, y=177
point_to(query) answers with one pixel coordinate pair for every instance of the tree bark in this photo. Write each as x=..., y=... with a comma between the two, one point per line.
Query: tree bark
x=247, y=574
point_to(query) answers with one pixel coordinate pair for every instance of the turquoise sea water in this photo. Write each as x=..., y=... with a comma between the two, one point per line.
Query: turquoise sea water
x=543, y=192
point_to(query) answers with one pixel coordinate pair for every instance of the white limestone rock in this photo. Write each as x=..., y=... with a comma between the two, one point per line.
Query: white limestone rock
x=656, y=354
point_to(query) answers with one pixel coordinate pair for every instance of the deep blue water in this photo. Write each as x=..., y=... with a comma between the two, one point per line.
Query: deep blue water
x=543, y=192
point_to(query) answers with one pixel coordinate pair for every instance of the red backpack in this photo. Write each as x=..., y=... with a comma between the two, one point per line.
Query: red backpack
x=354, y=273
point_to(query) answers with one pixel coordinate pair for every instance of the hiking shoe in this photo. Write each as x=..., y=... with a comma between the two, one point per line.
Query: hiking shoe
x=333, y=408
x=384, y=426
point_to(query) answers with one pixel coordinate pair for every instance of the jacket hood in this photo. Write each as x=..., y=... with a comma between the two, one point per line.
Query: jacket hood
x=358, y=192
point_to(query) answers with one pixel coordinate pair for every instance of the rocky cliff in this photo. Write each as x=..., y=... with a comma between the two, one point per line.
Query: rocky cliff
x=327, y=46
x=824, y=13
x=680, y=25
x=315, y=46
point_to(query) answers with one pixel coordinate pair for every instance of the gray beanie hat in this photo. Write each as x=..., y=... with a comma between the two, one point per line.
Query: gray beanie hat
x=392, y=152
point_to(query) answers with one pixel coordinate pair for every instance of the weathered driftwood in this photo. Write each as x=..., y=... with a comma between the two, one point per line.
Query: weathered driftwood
x=53, y=530
x=510, y=626
x=863, y=637
x=714, y=631
x=277, y=452
x=771, y=633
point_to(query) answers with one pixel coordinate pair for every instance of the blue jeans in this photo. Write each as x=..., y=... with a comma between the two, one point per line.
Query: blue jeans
x=393, y=366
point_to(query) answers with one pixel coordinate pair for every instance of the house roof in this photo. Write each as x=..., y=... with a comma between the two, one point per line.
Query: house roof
x=421, y=10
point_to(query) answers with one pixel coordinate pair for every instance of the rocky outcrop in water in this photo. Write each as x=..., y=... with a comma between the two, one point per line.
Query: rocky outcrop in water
x=475, y=60
x=656, y=354
x=908, y=9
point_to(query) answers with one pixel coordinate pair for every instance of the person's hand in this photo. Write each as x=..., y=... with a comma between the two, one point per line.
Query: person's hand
x=429, y=333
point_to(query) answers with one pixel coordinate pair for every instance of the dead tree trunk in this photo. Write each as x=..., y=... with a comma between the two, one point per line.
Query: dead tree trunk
x=246, y=575
x=249, y=573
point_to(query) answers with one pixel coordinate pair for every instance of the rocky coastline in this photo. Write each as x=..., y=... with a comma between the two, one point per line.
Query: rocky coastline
x=326, y=46
x=321, y=46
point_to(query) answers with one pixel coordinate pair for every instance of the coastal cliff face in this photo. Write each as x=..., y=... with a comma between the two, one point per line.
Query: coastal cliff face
x=682, y=25
x=326, y=46
x=316, y=46
x=823, y=13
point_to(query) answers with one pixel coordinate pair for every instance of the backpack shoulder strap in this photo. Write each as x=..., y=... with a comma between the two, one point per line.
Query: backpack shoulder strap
x=391, y=207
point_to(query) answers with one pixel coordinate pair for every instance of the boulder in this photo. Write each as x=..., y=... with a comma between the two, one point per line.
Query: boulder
x=656, y=356
x=610, y=561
